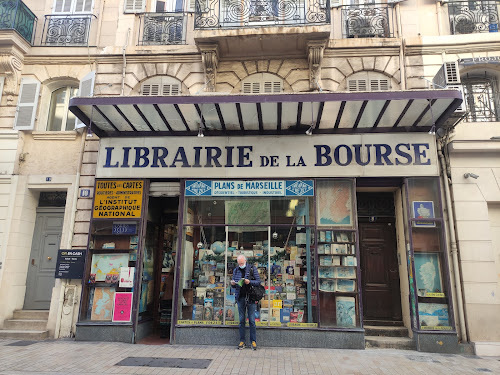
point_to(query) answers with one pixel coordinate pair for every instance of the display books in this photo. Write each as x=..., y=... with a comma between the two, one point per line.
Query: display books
x=321, y=249
x=285, y=315
x=349, y=261
x=326, y=272
x=200, y=294
x=300, y=316
x=198, y=312
x=276, y=315
x=345, y=285
x=264, y=314
x=342, y=237
x=322, y=236
x=328, y=248
x=288, y=302
x=230, y=313
x=208, y=313
x=327, y=285
x=218, y=314
x=218, y=301
x=328, y=236
x=209, y=302
x=346, y=312
x=339, y=248
x=345, y=272
x=293, y=317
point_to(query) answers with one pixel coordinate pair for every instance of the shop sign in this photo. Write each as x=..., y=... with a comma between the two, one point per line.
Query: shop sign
x=480, y=60
x=353, y=155
x=252, y=188
x=118, y=199
x=70, y=264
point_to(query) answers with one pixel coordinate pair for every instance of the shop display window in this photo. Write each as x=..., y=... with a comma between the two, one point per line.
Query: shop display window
x=109, y=279
x=428, y=281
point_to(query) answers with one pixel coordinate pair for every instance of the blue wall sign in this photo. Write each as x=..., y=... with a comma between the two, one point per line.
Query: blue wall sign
x=254, y=188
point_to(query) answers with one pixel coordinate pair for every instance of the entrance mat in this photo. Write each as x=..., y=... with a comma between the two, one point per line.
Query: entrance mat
x=21, y=343
x=165, y=362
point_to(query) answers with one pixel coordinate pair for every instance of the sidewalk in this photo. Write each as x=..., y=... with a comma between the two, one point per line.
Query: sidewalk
x=71, y=357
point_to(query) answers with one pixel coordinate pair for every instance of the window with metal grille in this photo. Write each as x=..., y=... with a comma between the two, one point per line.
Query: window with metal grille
x=161, y=86
x=481, y=98
x=262, y=83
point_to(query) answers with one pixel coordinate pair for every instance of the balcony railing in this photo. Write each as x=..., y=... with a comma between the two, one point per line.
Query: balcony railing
x=162, y=29
x=214, y=14
x=15, y=15
x=366, y=21
x=468, y=17
x=67, y=29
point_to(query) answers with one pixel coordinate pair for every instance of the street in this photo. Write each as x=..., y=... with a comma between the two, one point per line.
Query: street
x=67, y=356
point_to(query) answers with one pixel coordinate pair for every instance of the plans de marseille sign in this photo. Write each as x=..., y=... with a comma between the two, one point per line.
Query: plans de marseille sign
x=366, y=155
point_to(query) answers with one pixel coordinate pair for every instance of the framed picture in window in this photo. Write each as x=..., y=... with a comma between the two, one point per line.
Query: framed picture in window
x=423, y=210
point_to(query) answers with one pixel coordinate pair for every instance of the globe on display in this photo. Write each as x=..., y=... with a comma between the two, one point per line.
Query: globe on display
x=218, y=247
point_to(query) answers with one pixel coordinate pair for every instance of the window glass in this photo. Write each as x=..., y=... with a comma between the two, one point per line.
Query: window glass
x=60, y=118
x=481, y=96
x=334, y=203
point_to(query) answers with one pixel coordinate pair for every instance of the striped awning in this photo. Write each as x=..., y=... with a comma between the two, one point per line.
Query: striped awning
x=277, y=114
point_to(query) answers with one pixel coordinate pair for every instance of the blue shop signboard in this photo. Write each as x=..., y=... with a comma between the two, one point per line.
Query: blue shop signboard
x=253, y=188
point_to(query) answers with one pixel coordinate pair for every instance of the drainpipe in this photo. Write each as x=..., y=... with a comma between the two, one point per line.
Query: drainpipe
x=124, y=62
x=64, y=282
x=453, y=247
x=439, y=14
x=402, y=69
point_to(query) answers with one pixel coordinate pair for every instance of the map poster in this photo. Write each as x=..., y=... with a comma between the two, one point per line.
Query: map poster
x=423, y=210
x=334, y=203
x=427, y=273
x=118, y=199
x=122, y=310
x=251, y=212
x=433, y=316
x=102, y=264
x=102, y=304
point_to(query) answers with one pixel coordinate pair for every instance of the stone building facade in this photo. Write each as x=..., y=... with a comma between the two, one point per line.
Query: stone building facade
x=131, y=47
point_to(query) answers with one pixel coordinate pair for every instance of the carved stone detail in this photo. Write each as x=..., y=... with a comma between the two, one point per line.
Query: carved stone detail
x=11, y=65
x=315, y=50
x=210, y=60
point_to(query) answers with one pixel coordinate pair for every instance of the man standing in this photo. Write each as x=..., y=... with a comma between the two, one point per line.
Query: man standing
x=244, y=276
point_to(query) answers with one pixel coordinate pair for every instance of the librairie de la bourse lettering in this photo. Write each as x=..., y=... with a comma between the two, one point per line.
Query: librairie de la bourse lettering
x=243, y=157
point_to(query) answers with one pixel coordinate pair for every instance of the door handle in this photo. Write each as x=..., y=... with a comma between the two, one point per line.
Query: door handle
x=32, y=262
x=49, y=258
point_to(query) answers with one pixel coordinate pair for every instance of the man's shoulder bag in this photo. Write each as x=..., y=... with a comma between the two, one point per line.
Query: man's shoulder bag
x=256, y=292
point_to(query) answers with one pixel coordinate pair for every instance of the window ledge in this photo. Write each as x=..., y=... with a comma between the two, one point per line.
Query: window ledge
x=55, y=135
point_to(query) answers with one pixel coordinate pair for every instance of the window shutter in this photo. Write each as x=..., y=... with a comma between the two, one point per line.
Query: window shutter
x=357, y=85
x=170, y=89
x=379, y=85
x=2, y=81
x=83, y=6
x=135, y=6
x=277, y=87
x=86, y=89
x=247, y=87
x=27, y=104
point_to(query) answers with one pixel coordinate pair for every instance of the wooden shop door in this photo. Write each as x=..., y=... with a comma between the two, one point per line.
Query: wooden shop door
x=379, y=270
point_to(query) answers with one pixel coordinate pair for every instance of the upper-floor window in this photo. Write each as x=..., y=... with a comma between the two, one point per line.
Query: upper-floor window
x=481, y=98
x=467, y=17
x=368, y=81
x=161, y=85
x=72, y=6
x=262, y=83
x=60, y=119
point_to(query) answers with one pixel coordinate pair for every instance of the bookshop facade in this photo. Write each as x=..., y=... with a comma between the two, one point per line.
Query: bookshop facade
x=344, y=230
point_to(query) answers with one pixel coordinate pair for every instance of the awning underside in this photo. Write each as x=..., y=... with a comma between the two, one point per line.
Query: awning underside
x=344, y=112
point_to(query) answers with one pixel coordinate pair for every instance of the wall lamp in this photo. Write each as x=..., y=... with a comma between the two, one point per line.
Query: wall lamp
x=310, y=130
x=496, y=138
x=467, y=175
x=200, y=132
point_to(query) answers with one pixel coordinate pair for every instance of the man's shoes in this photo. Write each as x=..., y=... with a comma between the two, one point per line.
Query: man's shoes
x=241, y=345
x=254, y=345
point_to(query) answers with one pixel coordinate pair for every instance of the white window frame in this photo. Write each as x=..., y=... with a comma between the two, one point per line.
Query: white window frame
x=66, y=110
x=72, y=7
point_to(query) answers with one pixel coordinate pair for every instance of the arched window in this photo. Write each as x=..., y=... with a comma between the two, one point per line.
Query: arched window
x=481, y=97
x=60, y=119
x=262, y=83
x=161, y=86
x=368, y=81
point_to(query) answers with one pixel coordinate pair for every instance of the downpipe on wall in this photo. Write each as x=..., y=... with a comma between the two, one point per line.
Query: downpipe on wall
x=453, y=246
x=124, y=62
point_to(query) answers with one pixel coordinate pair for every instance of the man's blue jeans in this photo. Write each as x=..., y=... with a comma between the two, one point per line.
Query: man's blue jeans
x=250, y=307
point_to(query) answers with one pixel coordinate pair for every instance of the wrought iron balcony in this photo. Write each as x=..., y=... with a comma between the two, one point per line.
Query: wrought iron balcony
x=15, y=15
x=67, y=29
x=214, y=14
x=468, y=17
x=367, y=21
x=162, y=29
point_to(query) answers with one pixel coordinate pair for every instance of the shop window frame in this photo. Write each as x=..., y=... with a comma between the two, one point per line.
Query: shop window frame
x=438, y=223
